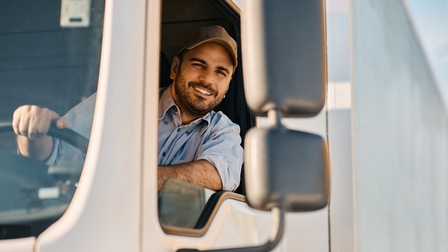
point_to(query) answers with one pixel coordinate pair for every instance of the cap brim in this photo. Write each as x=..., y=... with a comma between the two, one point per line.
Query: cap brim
x=223, y=43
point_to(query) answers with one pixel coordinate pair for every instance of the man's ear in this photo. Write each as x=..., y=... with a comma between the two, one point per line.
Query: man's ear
x=174, y=67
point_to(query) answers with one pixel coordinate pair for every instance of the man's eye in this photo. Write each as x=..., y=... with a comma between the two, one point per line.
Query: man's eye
x=221, y=73
x=198, y=65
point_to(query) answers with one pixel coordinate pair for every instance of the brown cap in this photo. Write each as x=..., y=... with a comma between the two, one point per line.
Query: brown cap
x=215, y=34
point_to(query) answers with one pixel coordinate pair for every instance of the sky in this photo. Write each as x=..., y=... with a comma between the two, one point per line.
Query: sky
x=430, y=18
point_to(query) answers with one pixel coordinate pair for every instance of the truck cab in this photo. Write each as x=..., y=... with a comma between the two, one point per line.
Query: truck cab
x=56, y=54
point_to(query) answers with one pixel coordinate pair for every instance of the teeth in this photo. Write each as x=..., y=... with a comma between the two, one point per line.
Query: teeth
x=202, y=91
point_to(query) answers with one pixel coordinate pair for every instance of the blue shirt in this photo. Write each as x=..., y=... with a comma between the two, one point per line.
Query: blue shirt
x=64, y=157
x=213, y=138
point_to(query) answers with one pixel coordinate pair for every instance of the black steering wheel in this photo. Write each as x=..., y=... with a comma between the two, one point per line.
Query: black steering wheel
x=31, y=198
x=67, y=135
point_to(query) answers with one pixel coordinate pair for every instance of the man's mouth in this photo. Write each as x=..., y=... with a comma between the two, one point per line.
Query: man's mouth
x=202, y=91
x=200, y=88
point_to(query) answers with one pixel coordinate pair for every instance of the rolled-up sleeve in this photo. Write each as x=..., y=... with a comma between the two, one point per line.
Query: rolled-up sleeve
x=223, y=149
x=80, y=119
x=55, y=156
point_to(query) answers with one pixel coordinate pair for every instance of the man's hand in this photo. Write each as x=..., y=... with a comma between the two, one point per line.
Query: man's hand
x=34, y=122
x=31, y=124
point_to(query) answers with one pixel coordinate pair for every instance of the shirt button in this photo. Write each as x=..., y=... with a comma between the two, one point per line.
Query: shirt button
x=166, y=122
x=178, y=130
x=175, y=109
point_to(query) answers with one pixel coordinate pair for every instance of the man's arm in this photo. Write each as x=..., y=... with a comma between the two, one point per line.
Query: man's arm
x=200, y=172
x=31, y=124
x=39, y=149
x=218, y=160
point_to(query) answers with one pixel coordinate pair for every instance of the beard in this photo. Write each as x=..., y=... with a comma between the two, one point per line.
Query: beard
x=191, y=104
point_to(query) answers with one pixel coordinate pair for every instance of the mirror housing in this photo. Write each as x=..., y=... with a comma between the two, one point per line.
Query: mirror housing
x=284, y=51
x=285, y=168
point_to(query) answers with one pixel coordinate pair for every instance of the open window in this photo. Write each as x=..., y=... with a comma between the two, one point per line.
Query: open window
x=183, y=205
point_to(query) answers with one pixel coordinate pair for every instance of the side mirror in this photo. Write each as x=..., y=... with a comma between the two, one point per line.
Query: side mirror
x=285, y=75
x=285, y=59
x=286, y=169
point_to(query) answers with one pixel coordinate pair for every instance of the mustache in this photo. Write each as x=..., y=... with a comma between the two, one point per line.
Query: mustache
x=204, y=86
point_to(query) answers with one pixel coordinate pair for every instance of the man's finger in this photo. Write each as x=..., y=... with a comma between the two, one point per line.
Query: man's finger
x=62, y=122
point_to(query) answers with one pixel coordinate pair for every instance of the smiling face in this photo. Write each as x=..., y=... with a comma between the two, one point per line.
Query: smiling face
x=201, y=80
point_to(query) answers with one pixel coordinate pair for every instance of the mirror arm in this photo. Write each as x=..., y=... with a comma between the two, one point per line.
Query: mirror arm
x=274, y=238
x=275, y=117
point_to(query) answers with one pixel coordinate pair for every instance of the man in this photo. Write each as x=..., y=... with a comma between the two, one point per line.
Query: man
x=196, y=144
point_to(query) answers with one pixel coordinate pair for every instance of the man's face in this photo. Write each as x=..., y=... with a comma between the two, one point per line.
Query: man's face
x=202, y=79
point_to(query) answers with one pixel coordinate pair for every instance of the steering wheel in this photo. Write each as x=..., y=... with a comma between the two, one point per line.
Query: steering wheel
x=31, y=198
x=67, y=135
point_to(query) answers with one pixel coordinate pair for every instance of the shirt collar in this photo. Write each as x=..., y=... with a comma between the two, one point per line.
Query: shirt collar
x=166, y=102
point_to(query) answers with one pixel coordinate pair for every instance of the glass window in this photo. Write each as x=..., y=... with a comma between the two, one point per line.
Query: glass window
x=181, y=204
x=50, y=56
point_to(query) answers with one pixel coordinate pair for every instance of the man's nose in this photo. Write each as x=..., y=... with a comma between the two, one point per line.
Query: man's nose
x=206, y=77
